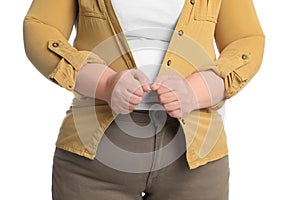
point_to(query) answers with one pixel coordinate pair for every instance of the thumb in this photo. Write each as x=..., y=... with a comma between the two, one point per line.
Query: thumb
x=158, y=82
x=142, y=78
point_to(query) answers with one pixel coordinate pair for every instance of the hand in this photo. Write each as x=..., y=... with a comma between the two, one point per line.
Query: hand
x=125, y=90
x=175, y=94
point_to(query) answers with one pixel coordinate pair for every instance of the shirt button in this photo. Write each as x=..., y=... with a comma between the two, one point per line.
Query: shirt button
x=169, y=62
x=192, y=2
x=180, y=32
x=55, y=44
x=244, y=56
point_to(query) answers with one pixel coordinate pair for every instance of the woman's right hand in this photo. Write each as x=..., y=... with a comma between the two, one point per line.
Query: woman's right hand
x=124, y=90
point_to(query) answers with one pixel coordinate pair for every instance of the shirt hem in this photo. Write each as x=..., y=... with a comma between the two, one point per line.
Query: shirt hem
x=76, y=150
x=197, y=163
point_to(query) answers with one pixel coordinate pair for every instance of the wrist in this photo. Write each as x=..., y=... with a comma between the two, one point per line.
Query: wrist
x=105, y=84
x=208, y=88
x=201, y=92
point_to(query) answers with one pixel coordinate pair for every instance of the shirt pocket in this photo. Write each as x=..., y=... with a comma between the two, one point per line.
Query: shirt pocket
x=91, y=8
x=207, y=10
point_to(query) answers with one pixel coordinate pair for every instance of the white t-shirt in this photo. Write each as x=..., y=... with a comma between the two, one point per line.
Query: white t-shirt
x=148, y=26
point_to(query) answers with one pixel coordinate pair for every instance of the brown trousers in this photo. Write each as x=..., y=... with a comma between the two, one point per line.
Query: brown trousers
x=141, y=152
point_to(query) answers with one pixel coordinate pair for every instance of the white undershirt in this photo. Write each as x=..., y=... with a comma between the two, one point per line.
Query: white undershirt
x=148, y=26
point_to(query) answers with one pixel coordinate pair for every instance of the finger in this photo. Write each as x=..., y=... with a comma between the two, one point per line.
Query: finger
x=164, y=89
x=129, y=98
x=135, y=100
x=126, y=108
x=138, y=92
x=130, y=101
x=142, y=78
x=131, y=107
x=167, y=97
x=175, y=113
x=135, y=88
x=123, y=111
x=172, y=106
x=155, y=86
x=118, y=100
x=158, y=81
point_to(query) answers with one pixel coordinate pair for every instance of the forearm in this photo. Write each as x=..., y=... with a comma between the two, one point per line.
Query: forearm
x=208, y=88
x=91, y=80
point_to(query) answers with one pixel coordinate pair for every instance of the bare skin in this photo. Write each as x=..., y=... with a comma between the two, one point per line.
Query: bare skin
x=124, y=90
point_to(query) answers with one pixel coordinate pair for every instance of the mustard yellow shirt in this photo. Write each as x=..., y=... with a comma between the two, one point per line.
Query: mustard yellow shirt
x=233, y=25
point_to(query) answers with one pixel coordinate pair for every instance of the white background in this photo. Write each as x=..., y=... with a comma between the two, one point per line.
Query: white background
x=262, y=121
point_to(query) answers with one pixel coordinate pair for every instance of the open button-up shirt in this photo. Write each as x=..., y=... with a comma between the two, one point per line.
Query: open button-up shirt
x=99, y=38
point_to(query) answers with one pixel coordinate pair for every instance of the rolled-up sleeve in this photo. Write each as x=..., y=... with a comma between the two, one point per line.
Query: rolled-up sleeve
x=46, y=30
x=240, y=41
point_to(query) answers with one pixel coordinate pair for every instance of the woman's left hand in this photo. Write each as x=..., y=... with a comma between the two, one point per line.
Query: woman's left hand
x=175, y=94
